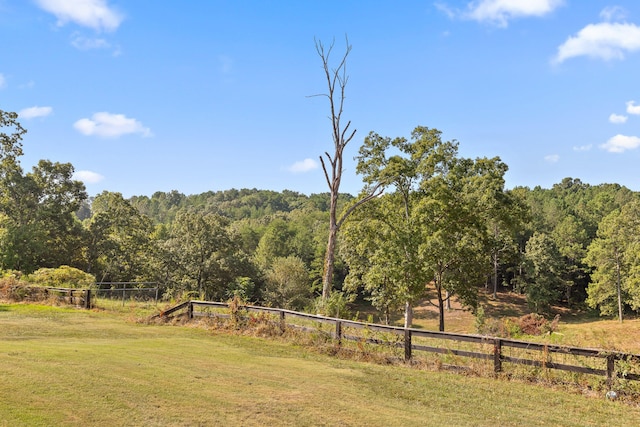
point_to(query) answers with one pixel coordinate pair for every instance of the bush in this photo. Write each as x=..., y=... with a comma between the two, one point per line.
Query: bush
x=62, y=277
x=13, y=288
x=337, y=305
x=530, y=324
x=535, y=324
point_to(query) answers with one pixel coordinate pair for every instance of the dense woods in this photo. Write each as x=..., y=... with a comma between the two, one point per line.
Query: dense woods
x=444, y=228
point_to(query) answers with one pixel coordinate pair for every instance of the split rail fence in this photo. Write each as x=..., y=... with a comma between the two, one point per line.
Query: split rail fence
x=494, y=350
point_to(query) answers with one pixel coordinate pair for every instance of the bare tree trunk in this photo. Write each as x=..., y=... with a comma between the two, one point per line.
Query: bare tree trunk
x=336, y=83
x=440, y=309
x=327, y=277
x=494, y=276
x=408, y=315
x=448, y=300
x=619, y=288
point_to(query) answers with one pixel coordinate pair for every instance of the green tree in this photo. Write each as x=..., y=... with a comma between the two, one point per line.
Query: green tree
x=614, y=257
x=118, y=239
x=39, y=221
x=432, y=219
x=203, y=255
x=287, y=283
x=275, y=242
x=543, y=272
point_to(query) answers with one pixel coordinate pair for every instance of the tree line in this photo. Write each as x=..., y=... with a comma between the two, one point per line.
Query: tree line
x=440, y=227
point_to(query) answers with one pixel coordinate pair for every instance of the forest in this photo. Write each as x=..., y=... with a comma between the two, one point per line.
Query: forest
x=445, y=227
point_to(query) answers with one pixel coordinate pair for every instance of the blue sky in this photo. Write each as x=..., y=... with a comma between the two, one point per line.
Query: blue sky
x=145, y=96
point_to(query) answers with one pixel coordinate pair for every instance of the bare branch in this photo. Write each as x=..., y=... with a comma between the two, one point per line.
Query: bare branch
x=326, y=175
x=375, y=192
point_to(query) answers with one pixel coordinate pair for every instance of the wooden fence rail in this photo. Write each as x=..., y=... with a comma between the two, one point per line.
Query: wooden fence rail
x=406, y=338
x=79, y=297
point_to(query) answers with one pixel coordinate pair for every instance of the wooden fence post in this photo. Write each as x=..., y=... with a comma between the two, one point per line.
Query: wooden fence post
x=87, y=299
x=407, y=345
x=611, y=367
x=190, y=310
x=497, y=355
x=339, y=331
x=283, y=325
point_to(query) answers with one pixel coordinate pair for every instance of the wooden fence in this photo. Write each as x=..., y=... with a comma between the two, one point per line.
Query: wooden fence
x=610, y=364
x=78, y=297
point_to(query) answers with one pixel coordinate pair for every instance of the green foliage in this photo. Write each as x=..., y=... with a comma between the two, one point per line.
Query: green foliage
x=431, y=229
x=119, y=239
x=62, y=277
x=615, y=258
x=202, y=254
x=287, y=283
x=543, y=273
x=37, y=223
x=337, y=305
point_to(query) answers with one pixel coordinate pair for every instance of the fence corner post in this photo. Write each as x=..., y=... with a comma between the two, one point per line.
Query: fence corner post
x=497, y=355
x=407, y=345
x=190, y=310
x=87, y=299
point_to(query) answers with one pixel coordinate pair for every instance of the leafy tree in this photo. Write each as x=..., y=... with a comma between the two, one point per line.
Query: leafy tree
x=543, y=272
x=287, y=283
x=615, y=258
x=570, y=237
x=119, y=239
x=202, y=255
x=431, y=228
x=378, y=250
x=39, y=222
x=275, y=242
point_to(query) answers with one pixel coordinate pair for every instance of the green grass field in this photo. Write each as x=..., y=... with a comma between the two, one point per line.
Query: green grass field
x=62, y=366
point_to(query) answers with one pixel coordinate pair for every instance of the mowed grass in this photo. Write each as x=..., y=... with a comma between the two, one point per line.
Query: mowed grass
x=63, y=366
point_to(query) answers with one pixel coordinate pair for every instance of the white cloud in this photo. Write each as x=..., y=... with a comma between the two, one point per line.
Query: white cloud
x=88, y=177
x=621, y=143
x=96, y=14
x=617, y=118
x=84, y=43
x=583, y=147
x=552, y=158
x=602, y=41
x=613, y=13
x=109, y=125
x=500, y=12
x=33, y=112
x=632, y=108
x=3, y=81
x=305, y=165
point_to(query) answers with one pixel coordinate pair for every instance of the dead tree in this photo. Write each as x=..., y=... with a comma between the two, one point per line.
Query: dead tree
x=336, y=79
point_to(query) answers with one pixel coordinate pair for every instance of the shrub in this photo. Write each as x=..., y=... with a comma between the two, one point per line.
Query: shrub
x=62, y=277
x=337, y=305
x=535, y=324
x=13, y=288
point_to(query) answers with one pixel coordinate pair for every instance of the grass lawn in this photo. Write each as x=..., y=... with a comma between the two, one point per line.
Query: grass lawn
x=62, y=366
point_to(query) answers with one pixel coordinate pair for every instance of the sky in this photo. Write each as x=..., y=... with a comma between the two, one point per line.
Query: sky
x=148, y=95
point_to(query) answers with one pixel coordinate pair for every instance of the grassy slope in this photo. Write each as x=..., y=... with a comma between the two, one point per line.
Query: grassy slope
x=67, y=367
